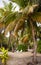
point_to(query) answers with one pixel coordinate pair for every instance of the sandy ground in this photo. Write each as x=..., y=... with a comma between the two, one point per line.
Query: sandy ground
x=21, y=58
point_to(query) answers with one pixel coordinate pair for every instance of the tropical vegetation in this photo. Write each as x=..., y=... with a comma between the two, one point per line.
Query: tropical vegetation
x=21, y=25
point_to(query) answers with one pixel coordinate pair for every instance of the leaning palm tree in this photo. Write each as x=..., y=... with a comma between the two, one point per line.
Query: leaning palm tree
x=29, y=12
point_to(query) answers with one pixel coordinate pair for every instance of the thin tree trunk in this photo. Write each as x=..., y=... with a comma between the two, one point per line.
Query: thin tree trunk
x=34, y=41
x=10, y=42
x=1, y=45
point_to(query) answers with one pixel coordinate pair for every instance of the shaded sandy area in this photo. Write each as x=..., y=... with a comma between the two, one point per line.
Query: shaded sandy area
x=21, y=58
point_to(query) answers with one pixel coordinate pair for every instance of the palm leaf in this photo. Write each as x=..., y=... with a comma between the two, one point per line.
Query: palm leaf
x=21, y=3
x=11, y=26
x=12, y=23
x=2, y=26
x=24, y=3
x=37, y=17
x=17, y=24
x=9, y=18
x=1, y=12
x=24, y=17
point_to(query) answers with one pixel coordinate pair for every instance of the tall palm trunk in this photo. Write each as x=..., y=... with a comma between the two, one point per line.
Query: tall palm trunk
x=10, y=42
x=34, y=41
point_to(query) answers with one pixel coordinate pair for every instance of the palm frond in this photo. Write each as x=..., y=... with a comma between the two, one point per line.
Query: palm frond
x=2, y=26
x=24, y=17
x=37, y=17
x=10, y=24
x=21, y=3
x=24, y=3
x=20, y=20
x=1, y=12
x=9, y=17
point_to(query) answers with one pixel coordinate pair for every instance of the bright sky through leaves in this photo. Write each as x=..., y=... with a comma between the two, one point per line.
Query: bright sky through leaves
x=1, y=4
x=7, y=1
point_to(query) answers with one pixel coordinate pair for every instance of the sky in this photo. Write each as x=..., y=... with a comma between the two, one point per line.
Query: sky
x=1, y=4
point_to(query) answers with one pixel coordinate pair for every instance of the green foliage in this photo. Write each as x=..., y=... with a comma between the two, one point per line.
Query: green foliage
x=8, y=7
x=24, y=3
x=1, y=12
x=21, y=3
x=9, y=18
x=39, y=46
x=3, y=41
x=22, y=47
x=4, y=55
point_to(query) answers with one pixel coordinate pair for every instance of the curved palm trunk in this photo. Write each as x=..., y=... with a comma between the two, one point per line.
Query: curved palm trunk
x=34, y=41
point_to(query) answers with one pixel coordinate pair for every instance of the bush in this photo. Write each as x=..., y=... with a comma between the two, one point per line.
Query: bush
x=4, y=55
x=22, y=47
x=39, y=46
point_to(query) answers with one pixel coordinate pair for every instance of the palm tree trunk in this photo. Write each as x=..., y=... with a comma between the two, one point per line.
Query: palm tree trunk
x=10, y=42
x=1, y=44
x=34, y=41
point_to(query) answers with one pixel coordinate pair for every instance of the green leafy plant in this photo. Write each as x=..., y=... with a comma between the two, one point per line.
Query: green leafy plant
x=39, y=46
x=4, y=55
x=22, y=47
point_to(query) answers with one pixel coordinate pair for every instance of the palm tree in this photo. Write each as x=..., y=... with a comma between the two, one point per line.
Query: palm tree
x=6, y=15
x=31, y=14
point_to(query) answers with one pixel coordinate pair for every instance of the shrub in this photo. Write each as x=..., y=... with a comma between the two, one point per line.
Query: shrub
x=4, y=55
x=39, y=46
x=22, y=47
